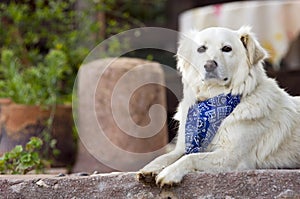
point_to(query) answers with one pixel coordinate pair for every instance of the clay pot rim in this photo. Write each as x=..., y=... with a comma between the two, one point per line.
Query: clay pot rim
x=5, y=101
x=8, y=101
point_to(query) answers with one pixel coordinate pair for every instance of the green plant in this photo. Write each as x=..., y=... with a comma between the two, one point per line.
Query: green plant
x=31, y=29
x=22, y=160
x=39, y=85
x=37, y=32
x=35, y=86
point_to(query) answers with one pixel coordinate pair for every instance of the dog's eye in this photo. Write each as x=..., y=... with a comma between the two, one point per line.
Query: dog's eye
x=226, y=49
x=201, y=49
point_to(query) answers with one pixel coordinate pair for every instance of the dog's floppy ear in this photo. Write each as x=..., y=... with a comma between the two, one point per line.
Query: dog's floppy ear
x=185, y=45
x=255, y=52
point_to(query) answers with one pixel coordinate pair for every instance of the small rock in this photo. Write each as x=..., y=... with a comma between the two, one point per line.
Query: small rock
x=229, y=197
x=61, y=175
x=96, y=172
x=56, y=186
x=16, y=187
x=41, y=183
x=288, y=194
x=83, y=174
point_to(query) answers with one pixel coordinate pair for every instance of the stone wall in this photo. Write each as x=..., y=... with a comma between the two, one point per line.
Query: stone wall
x=247, y=184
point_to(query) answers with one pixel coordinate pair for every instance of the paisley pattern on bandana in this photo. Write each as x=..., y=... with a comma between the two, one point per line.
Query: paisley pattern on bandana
x=204, y=119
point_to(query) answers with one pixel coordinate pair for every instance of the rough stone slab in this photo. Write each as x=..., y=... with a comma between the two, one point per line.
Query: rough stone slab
x=246, y=184
x=121, y=114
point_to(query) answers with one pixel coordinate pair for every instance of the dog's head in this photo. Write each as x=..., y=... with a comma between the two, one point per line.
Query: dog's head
x=218, y=57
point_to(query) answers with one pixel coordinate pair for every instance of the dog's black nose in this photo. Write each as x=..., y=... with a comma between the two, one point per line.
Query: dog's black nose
x=210, y=65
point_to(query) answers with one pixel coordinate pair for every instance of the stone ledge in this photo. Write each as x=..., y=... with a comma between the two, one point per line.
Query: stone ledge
x=246, y=184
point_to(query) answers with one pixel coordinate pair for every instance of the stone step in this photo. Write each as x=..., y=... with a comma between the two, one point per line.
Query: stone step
x=246, y=184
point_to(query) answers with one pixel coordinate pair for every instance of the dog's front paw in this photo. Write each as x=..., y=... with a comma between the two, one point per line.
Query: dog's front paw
x=148, y=174
x=170, y=176
x=146, y=177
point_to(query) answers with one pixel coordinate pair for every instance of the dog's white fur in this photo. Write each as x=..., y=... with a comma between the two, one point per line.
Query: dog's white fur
x=263, y=130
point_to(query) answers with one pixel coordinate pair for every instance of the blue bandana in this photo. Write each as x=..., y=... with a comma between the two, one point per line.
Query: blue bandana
x=204, y=119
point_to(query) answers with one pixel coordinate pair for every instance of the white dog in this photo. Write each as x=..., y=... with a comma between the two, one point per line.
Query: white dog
x=262, y=131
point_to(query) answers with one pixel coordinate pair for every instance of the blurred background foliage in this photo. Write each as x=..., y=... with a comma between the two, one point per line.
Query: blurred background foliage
x=35, y=33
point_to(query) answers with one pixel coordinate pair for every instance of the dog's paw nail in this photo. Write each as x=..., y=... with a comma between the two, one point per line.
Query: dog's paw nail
x=140, y=176
x=163, y=184
x=166, y=181
x=160, y=182
x=147, y=178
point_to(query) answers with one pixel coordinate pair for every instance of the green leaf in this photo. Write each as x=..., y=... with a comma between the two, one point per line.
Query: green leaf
x=34, y=144
x=17, y=150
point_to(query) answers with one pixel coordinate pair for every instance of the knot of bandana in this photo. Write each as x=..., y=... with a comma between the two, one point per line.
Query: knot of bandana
x=204, y=119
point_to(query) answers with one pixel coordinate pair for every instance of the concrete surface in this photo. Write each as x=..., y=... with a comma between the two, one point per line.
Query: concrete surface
x=246, y=184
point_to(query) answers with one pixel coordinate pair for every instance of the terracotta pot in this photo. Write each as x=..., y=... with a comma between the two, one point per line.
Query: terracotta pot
x=20, y=122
